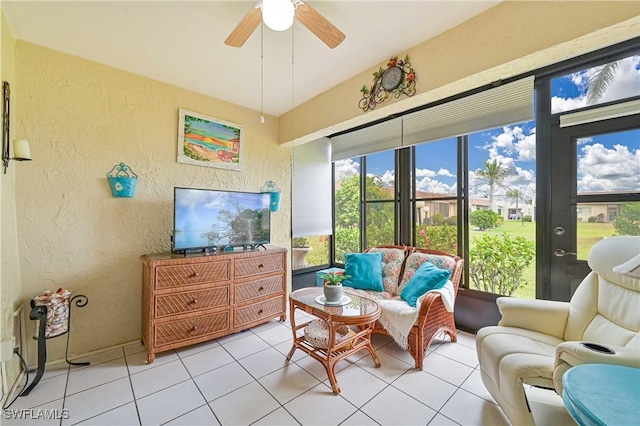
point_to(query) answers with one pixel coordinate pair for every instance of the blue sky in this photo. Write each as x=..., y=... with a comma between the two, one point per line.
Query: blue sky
x=605, y=162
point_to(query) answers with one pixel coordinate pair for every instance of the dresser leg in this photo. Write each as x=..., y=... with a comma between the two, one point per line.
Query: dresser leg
x=150, y=358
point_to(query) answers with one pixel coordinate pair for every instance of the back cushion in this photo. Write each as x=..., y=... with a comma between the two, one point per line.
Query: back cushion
x=416, y=259
x=392, y=259
x=603, y=312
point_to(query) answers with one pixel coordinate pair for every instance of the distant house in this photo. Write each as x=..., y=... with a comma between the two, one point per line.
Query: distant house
x=599, y=212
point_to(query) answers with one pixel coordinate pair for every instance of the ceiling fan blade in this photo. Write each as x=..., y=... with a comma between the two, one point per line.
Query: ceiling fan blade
x=318, y=24
x=245, y=28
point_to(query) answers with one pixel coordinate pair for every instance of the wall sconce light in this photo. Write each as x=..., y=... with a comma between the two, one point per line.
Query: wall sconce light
x=276, y=195
x=21, y=150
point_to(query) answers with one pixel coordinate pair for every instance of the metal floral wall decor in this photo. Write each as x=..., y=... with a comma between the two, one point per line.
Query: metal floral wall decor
x=399, y=78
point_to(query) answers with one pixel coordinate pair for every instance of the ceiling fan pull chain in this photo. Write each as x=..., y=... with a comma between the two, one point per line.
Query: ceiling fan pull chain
x=261, y=72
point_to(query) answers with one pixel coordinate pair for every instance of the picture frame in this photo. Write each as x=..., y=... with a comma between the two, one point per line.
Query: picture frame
x=210, y=142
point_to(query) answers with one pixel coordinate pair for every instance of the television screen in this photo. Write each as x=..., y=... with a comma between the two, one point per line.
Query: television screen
x=206, y=218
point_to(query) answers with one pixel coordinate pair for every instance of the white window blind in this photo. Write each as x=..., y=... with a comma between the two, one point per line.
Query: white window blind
x=602, y=113
x=369, y=140
x=507, y=104
x=311, y=189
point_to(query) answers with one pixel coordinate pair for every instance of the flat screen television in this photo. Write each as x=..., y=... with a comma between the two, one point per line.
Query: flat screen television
x=212, y=219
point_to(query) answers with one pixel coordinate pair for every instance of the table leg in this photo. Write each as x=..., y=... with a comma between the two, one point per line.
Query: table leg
x=373, y=353
x=332, y=378
x=292, y=319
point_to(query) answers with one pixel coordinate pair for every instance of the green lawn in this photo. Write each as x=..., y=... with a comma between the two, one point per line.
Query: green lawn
x=588, y=234
x=319, y=255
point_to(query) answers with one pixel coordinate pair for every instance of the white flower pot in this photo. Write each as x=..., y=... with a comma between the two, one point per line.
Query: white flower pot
x=333, y=293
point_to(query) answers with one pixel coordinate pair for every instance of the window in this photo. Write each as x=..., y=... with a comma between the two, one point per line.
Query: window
x=436, y=195
x=346, y=207
x=502, y=190
x=404, y=186
x=380, y=199
x=310, y=251
x=608, y=165
x=605, y=83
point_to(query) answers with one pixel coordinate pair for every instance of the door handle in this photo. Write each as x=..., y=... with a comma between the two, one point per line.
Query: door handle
x=561, y=253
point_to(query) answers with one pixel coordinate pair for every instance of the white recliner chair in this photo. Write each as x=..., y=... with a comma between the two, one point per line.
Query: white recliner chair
x=537, y=341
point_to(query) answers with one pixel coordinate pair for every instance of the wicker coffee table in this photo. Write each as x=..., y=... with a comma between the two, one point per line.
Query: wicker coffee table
x=339, y=342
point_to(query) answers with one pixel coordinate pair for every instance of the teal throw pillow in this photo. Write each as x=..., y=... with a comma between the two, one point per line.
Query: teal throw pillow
x=427, y=277
x=364, y=271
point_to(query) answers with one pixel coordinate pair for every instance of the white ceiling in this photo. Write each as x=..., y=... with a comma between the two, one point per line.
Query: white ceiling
x=182, y=42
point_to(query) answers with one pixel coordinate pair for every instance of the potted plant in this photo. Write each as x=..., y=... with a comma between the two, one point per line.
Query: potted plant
x=332, y=286
x=300, y=248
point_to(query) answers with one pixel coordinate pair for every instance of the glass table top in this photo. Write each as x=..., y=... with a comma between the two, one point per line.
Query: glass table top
x=358, y=306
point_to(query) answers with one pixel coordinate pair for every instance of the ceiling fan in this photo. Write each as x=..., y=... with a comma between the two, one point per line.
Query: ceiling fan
x=279, y=15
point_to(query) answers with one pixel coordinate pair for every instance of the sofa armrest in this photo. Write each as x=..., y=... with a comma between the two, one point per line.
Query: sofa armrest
x=544, y=316
x=570, y=354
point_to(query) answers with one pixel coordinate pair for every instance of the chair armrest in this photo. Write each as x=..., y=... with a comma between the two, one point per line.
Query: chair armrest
x=544, y=316
x=429, y=302
x=570, y=354
x=574, y=353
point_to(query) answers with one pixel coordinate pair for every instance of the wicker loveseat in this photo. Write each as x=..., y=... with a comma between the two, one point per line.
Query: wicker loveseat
x=399, y=263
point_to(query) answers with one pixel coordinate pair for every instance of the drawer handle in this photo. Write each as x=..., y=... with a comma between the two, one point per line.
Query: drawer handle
x=260, y=266
x=261, y=289
x=260, y=312
x=193, y=302
x=193, y=329
x=194, y=274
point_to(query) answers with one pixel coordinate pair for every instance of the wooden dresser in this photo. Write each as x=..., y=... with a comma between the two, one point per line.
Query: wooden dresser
x=195, y=298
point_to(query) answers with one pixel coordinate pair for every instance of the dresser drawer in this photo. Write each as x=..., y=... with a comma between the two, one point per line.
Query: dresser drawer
x=259, y=288
x=259, y=265
x=257, y=311
x=192, y=328
x=178, y=303
x=198, y=273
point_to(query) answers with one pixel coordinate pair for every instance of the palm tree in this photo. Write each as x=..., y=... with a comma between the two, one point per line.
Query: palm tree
x=516, y=195
x=599, y=79
x=494, y=173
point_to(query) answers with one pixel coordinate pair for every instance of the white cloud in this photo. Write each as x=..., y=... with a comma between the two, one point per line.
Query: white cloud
x=582, y=141
x=504, y=140
x=512, y=140
x=559, y=104
x=601, y=169
x=580, y=79
x=425, y=172
x=435, y=186
x=445, y=172
x=345, y=168
x=388, y=177
x=526, y=147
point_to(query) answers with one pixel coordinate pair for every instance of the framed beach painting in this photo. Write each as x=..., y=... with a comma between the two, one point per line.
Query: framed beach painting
x=207, y=141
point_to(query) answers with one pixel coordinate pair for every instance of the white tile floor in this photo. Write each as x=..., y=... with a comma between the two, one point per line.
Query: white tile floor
x=245, y=379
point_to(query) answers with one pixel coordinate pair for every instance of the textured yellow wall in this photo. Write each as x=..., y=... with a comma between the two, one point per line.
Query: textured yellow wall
x=82, y=118
x=486, y=48
x=10, y=285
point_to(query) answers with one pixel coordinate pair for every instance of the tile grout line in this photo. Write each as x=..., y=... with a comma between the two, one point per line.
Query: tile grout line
x=133, y=392
x=93, y=387
x=199, y=390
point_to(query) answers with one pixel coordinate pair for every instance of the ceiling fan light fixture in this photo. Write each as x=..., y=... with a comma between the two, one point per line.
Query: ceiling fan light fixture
x=278, y=14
